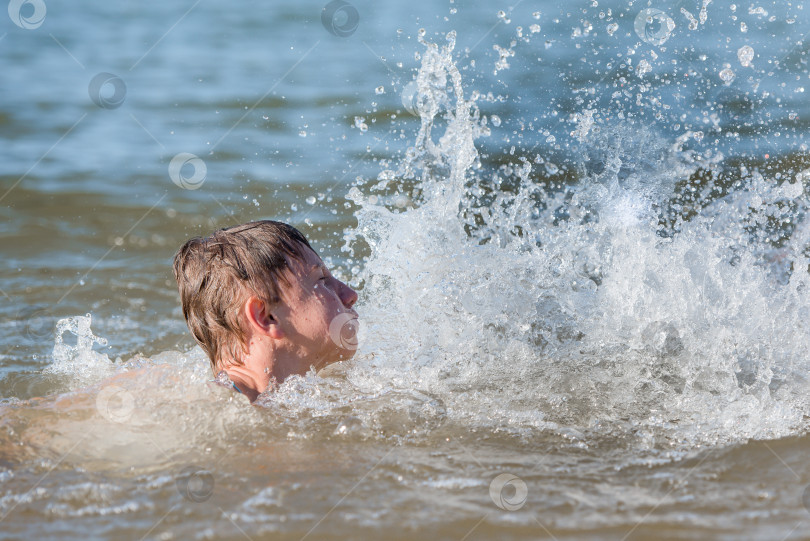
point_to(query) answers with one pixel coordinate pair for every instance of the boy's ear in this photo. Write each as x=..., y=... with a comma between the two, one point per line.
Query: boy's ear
x=261, y=319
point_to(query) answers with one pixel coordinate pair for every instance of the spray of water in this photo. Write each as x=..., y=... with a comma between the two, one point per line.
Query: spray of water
x=627, y=302
x=597, y=307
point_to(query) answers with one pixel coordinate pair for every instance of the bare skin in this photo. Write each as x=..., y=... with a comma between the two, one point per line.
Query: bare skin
x=296, y=333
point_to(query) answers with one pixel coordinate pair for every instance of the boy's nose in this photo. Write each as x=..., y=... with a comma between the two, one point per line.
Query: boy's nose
x=348, y=296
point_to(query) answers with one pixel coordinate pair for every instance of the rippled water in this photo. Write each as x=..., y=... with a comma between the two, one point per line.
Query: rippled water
x=578, y=231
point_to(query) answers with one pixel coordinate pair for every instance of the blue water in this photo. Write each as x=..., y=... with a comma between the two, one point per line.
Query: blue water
x=191, y=70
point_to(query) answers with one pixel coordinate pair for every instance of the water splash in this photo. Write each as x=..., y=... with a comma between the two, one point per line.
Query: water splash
x=79, y=362
x=628, y=301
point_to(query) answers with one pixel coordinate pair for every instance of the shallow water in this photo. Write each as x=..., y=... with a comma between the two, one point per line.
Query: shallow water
x=579, y=235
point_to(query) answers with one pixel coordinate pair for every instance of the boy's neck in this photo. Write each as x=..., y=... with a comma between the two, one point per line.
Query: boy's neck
x=251, y=380
x=245, y=381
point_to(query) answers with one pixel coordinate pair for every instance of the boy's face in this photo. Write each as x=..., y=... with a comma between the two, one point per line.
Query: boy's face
x=316, y=313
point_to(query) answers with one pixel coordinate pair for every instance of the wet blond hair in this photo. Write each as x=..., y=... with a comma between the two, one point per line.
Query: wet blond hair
x=216, y=275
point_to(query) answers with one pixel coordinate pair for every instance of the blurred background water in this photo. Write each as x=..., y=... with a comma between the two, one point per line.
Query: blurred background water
x=289, y=106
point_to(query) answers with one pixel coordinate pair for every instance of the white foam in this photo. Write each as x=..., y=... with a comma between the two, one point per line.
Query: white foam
x=577, y=309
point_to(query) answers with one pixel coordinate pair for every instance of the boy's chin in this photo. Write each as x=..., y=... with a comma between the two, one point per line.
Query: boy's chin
x=336, y=356
x=340, y=354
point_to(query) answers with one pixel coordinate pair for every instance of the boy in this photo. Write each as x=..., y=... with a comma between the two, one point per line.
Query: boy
x=262, y=304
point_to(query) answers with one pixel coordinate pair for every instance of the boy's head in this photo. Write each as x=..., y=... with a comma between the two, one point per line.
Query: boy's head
x=261, y=303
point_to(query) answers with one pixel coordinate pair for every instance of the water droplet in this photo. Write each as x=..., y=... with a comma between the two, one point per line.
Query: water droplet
x=536, y=14
x=311, y=200
x=727, y=75
x=379, y=90
x=302, y=133
x=745, y=55
x=360, y=123
x=643, y=67
x=611, y=28
x=496, y=120
x=693, y=23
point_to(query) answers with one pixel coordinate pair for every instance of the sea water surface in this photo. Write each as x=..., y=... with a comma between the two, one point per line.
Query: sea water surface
x=579, y=232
